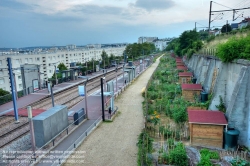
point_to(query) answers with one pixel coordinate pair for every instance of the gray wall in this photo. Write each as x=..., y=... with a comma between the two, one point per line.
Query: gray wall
x=49, y=123
x=232, y=83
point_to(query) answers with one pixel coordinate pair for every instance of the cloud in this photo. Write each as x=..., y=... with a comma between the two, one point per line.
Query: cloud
x=150, y=5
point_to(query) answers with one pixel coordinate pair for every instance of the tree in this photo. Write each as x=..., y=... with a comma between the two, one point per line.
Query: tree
x=61, y=66
x=226, y=28
x=105, y=59
x=3, y=92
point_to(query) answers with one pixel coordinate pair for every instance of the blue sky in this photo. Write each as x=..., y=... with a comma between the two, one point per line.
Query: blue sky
x=60, y=22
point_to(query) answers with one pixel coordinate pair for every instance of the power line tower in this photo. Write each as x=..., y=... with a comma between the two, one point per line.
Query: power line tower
x=221, y=12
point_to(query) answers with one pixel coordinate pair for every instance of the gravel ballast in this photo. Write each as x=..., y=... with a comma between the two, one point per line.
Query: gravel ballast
x=114, y=143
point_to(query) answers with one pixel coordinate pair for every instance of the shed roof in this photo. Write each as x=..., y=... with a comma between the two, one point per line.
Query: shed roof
x=181, y=67
x=206, y=117
x=178, y=60
x=191, y=86
x=185, y=74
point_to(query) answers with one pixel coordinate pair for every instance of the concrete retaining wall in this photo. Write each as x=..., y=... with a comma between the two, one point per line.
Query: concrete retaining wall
x=231, y=82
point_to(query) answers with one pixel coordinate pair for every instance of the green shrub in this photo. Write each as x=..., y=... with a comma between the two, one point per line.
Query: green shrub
x=178, y=156
x=234, y=48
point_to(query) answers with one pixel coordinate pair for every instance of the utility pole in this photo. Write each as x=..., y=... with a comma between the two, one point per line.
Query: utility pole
x=226, y=26
x=209, y=16
x=13, y=89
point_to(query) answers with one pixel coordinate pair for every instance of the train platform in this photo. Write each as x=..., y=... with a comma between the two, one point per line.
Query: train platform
x=24, y=101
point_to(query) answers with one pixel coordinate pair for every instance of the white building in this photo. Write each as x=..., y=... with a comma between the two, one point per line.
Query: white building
x=146, y=39
x=161, y=44
x=47, y=60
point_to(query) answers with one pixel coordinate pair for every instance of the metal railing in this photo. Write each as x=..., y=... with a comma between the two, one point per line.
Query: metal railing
x=40, y=152
x=77, y=143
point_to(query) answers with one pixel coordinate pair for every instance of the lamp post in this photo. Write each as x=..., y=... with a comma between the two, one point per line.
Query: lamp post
x=85, y=93
x=32, y=136
x=50, y=89
x=116, y=69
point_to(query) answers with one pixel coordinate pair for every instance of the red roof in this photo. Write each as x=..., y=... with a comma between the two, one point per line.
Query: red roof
x=24, y=112
x=179, y=60
x=182, y=67
x=185, y=74
x=191, y=86
x=180, y=64
x=207, y=117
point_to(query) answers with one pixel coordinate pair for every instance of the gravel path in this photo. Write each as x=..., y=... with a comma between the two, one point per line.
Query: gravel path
x=113, y=144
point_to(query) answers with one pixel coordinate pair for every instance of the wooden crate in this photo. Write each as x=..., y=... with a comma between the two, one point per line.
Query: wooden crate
x=206, y=135
x=190, y=94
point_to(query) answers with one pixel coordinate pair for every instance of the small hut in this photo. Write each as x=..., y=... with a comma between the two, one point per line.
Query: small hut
x=182, y=67
x=185, y=77
x=206, y=128
x=190, y=91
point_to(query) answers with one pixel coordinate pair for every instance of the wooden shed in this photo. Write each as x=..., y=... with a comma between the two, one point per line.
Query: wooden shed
x=182, y=67
x=185, y=77
x=180, y=64
x=206, y=128
x=189, y=91
x=178, y=61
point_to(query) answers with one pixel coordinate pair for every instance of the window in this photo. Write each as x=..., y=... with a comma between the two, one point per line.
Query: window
x=1, y=80
x=37, y=59
x=58, y=56
x=19, y=77
x=30, y=60
x=54, y=57
x=50, y=71
x=26, y=60
x=17, y=61
x=20, y=86
x=184, y=80
x=0, y=62
x=62, y=55
x=1, y=72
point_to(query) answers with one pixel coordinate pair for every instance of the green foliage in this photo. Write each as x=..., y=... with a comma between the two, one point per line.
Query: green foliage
x=134, y=51
x=234, y=48
x=178, y=155
x=3, y=92
x=221, y=106
x=61, y=67
x=226, y=28
x=206, y=155
x=145, y=147
x=205, y=161
x=239, y=162
x=210, y=38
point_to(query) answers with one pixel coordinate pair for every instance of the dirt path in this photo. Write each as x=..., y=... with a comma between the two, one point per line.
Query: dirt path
x=113, y=144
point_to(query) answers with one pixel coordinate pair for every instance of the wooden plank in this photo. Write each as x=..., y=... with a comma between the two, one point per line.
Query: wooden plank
x=207, y=142
x=207, y=131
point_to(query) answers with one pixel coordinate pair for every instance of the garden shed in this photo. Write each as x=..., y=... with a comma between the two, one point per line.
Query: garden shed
x=190, y=91
x=206, y=128
x=185, y=77
x=182, y=67
x=180, y=64
x=178, y=60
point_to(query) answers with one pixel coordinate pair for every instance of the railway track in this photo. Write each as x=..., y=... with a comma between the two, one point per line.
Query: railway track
x=10, y=133
x=70, y=93
x=69, y=97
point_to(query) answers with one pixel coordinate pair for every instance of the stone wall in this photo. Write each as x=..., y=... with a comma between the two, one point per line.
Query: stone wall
x=231, y=82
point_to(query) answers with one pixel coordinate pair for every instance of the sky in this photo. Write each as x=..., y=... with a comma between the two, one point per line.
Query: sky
x=26, y=23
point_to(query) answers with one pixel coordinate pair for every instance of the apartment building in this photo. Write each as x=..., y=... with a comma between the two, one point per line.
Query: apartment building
x=47, y=60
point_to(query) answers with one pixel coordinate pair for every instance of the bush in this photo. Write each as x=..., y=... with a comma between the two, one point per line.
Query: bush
x=178, y=156
x=234, y=48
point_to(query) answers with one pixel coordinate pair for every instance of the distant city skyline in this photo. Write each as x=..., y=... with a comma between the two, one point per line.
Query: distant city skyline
x=29, y=23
